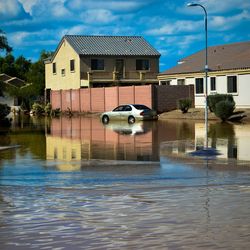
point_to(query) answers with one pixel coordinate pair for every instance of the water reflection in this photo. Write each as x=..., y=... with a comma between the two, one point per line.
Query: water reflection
x=83, y=138
x=70, y=141
x=151, y=206
x=231, y=140
x=86, y=138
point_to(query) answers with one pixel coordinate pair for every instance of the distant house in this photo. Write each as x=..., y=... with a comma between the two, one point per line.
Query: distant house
x=6, y=80
x=101, y=61
x=229, y=72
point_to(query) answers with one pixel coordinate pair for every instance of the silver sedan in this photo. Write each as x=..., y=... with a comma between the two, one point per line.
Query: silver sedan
x=129, y=112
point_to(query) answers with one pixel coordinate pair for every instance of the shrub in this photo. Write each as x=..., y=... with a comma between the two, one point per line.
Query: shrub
x=224, y=109
x=37, y=109
x=48, y=109
x=184, y=105
x=212, y=100
x=4, y=110
x=56, y=112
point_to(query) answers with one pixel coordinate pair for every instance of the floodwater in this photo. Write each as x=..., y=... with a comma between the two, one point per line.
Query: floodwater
x=73, y=183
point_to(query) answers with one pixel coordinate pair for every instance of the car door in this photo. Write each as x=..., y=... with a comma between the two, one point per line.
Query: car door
x=126, y=112
x=117, y=112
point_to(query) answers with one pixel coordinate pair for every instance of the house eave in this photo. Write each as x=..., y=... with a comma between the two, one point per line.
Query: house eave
x=211, y=72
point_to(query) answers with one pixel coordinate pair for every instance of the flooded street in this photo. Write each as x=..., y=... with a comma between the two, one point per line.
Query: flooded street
x=73, y=183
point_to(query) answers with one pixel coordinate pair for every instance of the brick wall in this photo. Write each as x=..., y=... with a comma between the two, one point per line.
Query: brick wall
x=166, y=97
x=161, y=98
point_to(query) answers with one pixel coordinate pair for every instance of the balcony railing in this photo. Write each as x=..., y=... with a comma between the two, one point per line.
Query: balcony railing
x=115, y=76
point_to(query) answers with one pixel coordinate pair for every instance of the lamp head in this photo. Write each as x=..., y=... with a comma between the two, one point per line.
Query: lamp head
x=192, y=4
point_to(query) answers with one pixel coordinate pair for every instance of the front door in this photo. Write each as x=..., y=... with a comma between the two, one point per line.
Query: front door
x=119, y=66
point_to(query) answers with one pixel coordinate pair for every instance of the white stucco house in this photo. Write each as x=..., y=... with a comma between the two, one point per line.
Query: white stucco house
x=228, y=73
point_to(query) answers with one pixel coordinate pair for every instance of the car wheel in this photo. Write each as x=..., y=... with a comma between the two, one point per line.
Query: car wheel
x=105, y=119
x=131, y=119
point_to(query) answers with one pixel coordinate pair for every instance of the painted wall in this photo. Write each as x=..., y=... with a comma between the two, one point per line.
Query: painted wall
x=160, y=98
x=100, y=99
x=241, y=98
x=71, y=80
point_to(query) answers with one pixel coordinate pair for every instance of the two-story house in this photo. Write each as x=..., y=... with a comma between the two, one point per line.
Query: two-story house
x=101, y=61
x=229, y=73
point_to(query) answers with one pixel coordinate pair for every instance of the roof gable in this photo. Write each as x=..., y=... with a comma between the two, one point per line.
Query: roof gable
x=222, y=57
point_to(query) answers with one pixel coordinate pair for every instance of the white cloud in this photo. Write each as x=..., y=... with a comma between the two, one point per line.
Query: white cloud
x=17, y=38
x=215, y=6
x=74, y=30
x=129, y=5
x=12, y=9
x=50, y=9
x=27, y=4
x=226, y=23
x=98, y=16
x=26, y=39
x=176, y=27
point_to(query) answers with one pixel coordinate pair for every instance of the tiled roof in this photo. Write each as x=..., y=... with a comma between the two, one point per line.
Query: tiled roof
x=223, y=57
x=111, y=45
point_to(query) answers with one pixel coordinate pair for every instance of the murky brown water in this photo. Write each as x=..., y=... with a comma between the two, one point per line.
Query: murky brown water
x=76, y=184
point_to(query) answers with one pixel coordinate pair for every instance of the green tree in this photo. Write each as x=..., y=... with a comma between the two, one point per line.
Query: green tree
x=36, y=74
x=22, y=67
x=4, y=43
x=8, y=65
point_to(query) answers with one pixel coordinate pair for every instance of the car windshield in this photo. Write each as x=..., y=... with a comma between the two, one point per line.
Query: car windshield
x=140, y=107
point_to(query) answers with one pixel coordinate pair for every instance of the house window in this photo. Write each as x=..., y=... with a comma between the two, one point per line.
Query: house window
x=63, y=72
x=231, y=84
x=199, y=87
x=54, y=68
x=167, y=82
x=97, y=64
x=142, y=64
x=180, y=81
x=72, y=65
x=213, y=84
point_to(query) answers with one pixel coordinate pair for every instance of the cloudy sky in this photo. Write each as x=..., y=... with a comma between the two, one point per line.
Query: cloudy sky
x=172, y=28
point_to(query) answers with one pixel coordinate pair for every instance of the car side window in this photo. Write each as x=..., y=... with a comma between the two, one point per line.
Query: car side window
x=127, y=108
x=119, y=108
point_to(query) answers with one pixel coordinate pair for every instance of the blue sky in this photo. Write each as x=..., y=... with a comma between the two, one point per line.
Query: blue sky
x=172, y=28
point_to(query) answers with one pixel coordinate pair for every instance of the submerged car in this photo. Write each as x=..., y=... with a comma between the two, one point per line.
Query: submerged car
x=130, y=112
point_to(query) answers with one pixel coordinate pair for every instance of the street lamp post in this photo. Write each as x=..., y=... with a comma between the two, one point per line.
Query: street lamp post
x=206, y=72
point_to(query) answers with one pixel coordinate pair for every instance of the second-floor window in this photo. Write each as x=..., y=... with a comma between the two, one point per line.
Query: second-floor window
x=97, y=64
x=142, y=64
x=63, y=72
x=54, y=68
x=199, y=87
x=72, y=65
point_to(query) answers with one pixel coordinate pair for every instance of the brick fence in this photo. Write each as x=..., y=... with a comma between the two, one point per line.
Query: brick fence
x=166, y=97
x=161, y=98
